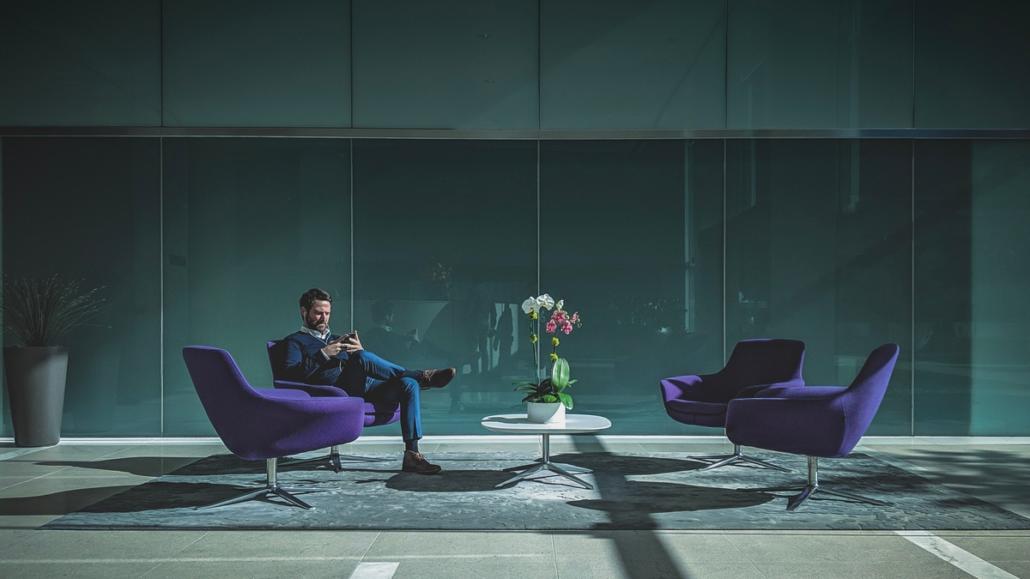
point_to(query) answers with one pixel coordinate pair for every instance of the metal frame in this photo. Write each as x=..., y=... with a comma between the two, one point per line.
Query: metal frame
x=271, y=489
x=565, y=470
x=334, y=460
x=515, y=134
x=738, y=456
x=812, y=487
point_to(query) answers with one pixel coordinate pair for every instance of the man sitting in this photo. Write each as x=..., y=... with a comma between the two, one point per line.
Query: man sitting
x=315, y=355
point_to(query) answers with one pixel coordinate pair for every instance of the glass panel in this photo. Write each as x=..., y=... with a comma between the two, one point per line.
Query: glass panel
x=631, y=237
x=445, y=253
x=971, y=283
x=819, y=249
x=819, y=64
x=249, y=225
x=80, y=63
x=633, y=65
x=284, y=65
x=445, y=64
x=972, y=64
x=89, y=209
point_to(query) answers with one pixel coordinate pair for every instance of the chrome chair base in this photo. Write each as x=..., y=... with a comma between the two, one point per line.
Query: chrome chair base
x=271, y=489
x=795, y=501
x=334, y=461
x=813, y=487
x=738, y=457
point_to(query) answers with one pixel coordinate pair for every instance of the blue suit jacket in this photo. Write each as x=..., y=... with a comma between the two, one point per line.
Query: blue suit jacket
x=304, y=361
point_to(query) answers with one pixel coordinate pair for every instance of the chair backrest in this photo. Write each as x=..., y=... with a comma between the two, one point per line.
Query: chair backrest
x=866, y=391
x=223, y=391
x=276, y=357
x=765, y=361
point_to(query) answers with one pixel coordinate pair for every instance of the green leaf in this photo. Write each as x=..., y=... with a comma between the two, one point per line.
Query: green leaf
x=566, y=400
x=560, y=373
x=549, y=398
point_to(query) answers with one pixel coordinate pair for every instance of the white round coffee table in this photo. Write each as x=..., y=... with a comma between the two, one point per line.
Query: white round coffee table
x=574, y=424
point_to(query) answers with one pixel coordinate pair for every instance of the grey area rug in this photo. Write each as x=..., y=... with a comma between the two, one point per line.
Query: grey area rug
x=632, y=491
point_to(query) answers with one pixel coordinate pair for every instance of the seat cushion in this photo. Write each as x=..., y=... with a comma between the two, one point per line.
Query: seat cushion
x=799, y=392
x=379, y=414
x=695, y=412
x=283, y=394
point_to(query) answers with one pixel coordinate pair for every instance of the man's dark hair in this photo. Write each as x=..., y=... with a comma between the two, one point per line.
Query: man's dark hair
x=308, y=298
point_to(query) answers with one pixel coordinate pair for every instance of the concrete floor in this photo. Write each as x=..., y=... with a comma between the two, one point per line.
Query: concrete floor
x=37, y=486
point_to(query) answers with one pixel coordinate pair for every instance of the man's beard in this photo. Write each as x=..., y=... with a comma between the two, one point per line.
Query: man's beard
x=313, y=325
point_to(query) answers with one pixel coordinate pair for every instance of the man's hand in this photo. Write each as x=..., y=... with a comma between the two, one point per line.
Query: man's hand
x=351, y=343
x=333, y=348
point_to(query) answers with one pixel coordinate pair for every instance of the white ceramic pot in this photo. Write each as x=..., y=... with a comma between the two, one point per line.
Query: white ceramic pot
x=545, y=412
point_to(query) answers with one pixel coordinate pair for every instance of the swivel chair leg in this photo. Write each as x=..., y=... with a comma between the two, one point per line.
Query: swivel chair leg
x=813, y=486
x=334, y=461
x=738, y=456
x=270, y=489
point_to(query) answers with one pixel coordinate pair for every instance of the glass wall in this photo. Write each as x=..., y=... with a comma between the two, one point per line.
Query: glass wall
x=671, y=250
x=89, y=209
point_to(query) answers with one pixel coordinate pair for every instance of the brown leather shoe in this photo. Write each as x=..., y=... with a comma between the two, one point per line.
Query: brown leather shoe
x=434, y=378
x=415, y=462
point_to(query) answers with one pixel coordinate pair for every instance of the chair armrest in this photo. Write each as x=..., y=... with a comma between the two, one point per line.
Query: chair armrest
x=315, y=390
x=701, y=387
x=809, y=426
x=761, y=389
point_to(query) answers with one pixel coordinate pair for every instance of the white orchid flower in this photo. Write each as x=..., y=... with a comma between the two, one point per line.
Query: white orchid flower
x=559, y=305
x=545, y=301
x=530, y=305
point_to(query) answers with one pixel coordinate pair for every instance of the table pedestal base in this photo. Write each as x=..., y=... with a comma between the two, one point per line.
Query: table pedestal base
x=566, y=470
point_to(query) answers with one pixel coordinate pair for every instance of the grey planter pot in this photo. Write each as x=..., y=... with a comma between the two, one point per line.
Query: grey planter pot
x=35, y=388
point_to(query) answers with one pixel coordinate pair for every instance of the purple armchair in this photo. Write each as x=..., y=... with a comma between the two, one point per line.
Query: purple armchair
x=374, y=414
x=267, y=424
x=753, y=365
x=816, y=421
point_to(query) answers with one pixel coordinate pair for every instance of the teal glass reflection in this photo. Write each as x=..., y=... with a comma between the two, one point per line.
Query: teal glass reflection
x=264, y=64
x=89, y=209
x=971, y=284
x=445, y=253
x=633, y=65
x=972, y=64
x=80, y=63
x=817, y=64
x=445, y=64
x=249, y=225
x=819, y=249
x=631, y=237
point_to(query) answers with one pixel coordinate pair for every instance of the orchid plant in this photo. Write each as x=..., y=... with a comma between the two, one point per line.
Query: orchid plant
x=552, y=389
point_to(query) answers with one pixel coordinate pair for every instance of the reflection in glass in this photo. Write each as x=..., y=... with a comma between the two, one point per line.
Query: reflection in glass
x=249, y=225
x=819, y=249
x=797, y=64
x=633, y=65
x=971, y=288
x=89, y=209
x=631, y=237
x=445, y=251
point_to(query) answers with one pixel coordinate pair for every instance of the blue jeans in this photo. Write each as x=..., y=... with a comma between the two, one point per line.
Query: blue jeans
x=380, y=381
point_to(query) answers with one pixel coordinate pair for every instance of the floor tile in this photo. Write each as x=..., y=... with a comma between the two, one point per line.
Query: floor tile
x=77, y=570
x=787, y=547
x=494, y=567
x=254, y=569
x=480, y=543
x=299, y=544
